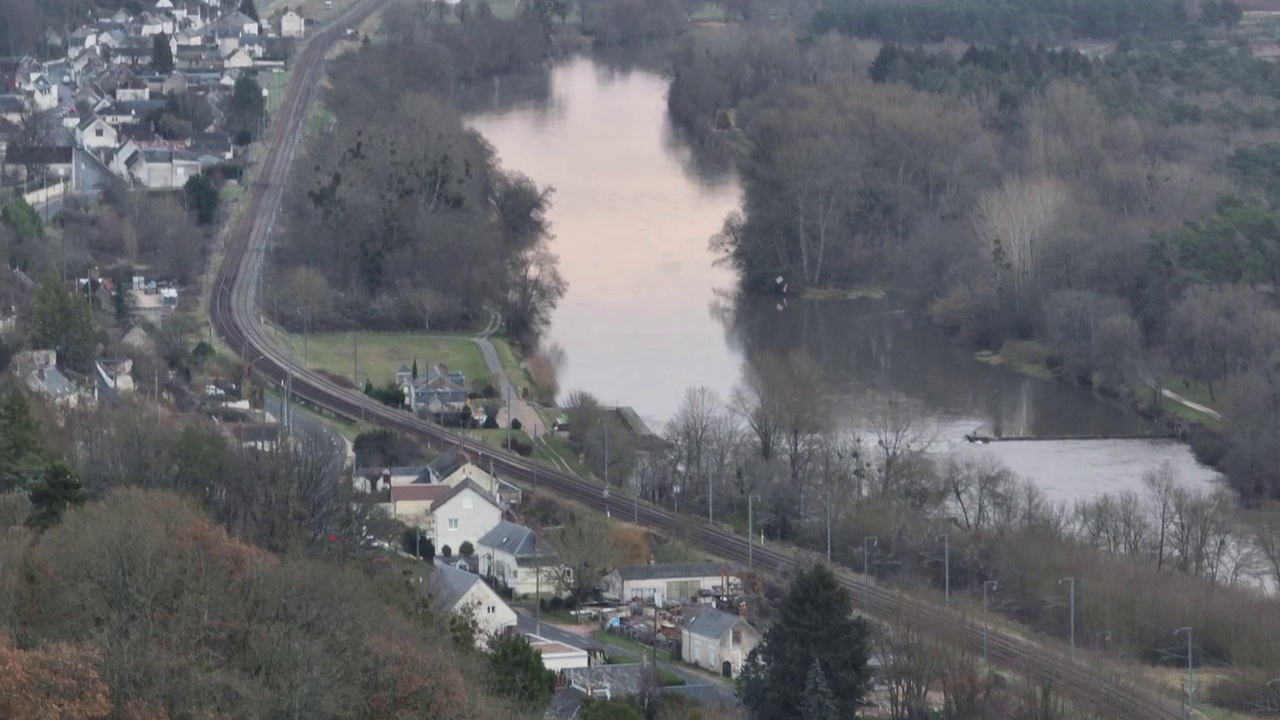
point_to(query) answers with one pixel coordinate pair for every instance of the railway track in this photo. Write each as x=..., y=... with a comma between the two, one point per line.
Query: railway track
x=1097, y=687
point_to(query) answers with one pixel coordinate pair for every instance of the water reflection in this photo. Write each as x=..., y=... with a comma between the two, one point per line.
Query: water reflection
x=649, y=315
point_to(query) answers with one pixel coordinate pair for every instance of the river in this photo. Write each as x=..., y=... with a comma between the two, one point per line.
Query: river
x=648, y=314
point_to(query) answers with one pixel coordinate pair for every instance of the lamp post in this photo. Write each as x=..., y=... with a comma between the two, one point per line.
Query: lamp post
x=946, y=566
x=986, y=606
x=1191, y=678
x=1071, y=583
x=606, y=467
x=827, y=496
x=868, y=542
x=751, y=532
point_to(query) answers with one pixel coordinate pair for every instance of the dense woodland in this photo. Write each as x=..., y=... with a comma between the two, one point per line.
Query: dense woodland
x=1118, y=210
x=407, y=220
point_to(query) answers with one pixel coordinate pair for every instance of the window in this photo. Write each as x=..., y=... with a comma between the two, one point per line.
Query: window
x=491, y=610
x=466, y=503
x=97, y=132
x=737, y=637
x=453, y=523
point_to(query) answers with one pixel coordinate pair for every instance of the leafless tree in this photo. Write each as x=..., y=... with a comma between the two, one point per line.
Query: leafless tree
x=1013, y=221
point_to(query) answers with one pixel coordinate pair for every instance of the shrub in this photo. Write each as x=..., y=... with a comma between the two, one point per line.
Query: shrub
x=516, y=424
x=446, y=551
x=466, y=549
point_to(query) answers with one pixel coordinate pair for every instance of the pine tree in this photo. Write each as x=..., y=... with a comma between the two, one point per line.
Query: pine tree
x=818, y=703
x=63, y=322
x=415, y=368
x=57, y=490
x=517, y=672
x=814, y=623
x=161, y=54
x=21, y=448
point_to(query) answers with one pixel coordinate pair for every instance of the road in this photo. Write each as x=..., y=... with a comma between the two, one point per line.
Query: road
x=1092, y=683
x=317, y=431
x=697, y=686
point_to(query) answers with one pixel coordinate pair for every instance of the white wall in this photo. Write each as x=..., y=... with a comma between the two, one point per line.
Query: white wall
x=466, y=517
x=492, y=615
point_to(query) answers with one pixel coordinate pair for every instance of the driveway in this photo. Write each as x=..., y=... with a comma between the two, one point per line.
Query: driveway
x=530, y=420
x=706, y=689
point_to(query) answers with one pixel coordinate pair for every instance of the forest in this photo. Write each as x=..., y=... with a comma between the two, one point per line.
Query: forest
x=1116, y=210
x=406, y=219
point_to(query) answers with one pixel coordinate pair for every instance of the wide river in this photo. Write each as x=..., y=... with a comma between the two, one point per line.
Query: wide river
x=648, y=314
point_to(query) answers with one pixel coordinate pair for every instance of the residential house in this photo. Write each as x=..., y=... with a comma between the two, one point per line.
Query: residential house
x=254, y=45
x=660, y=584
x=126, y=160
x=459, y=592
x=516, y=557
x=94, y=133
x=237, y=58
x=292, y=24
x=141, y=133
x=81, y=39
x=175, y=83
x=40, y=162
x=718, y=641
x=463, y=514
x=50, y=382
x=117, y=114
x=439, y=390
x=166, y=169
x=598, y=681
x=411, y=504
x=242, y=23
x=133, y=89
x=116, y=375
x=217, y=144
x=154, y=24
x=42, y=92
x=163, y=5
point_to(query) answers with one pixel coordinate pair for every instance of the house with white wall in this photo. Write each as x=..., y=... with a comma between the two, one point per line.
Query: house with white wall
x=463, y=514
x=292, y=24
x=718, y=641
x=516, y=557
x=94, y=133
x=411, y=504
x=668, y=582
x=459, y=592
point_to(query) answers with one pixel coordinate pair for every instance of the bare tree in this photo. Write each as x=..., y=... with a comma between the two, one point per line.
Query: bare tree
x=896, y=422
x=1013, y=221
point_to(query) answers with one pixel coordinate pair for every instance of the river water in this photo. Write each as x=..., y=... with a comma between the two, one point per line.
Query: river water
x=648, y=314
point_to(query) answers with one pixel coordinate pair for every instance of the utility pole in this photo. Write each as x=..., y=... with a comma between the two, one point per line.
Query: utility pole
x=535, y=460
x=511, y=414
x=868, y=542
x=606, y=469
x=1191, y=678
x=986, y=606
x=711, y=500
x=751, y=531
x=827, y=496
x=1072, y=585
x=946, y=566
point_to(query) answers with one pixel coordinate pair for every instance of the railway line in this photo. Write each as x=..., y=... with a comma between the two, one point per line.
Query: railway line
x=1095, y=686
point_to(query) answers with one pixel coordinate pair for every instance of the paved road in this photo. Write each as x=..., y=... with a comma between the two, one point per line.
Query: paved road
x=530, y=420
x=315, y=429
x=702, y=688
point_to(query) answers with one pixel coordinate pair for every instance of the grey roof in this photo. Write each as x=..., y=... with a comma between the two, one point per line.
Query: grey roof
x=54, y=382
x=565, y=704
x=12, y=104
x=449, y=462
x=447, y=585
x=670, y=571
x=466, y=484
x=712, y=623
x=520, y=541
x=620, y=680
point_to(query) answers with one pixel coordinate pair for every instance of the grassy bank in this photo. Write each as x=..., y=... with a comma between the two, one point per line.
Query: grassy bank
x=377, y=356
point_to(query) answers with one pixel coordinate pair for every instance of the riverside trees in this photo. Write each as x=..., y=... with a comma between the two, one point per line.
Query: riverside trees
x=407, y=213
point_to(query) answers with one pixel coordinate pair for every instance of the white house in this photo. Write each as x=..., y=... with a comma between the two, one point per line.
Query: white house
x=517, y=558
x=43, y=93
x=165, y=169
x=458, y=591
x=94, y=133
x=463, y=514
x=718, y=641
x=133, y=89
x=292, y=24
x=237, y=58
x=665, y=583
x=242, y=23
x=163, y=5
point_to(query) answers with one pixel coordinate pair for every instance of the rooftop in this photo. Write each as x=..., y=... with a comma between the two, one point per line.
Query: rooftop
x=670, y=571
x=448, y=585
x=412, y=493
x=712, y=623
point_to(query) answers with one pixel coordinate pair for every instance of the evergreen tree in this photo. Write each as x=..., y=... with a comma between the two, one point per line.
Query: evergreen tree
x=161, y=54
x=248, y=8
x=245, y=109
x=202, y=198
x=57, y=490
x=63, y=322
x=21, y=448
x=415, y=368
x=815, y=624
x=517, y=672
x=819, y=703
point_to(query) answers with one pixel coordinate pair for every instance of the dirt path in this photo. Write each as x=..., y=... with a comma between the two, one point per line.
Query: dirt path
x=1193, y=405
x=530, y=421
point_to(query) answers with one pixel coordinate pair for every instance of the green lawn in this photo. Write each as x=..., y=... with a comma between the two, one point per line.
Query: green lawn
x=511, y=364
x=320, y=119
x=379, y=355
x=1195, y=392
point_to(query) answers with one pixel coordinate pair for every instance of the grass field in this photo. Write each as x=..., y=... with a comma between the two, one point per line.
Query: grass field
x=379, y=355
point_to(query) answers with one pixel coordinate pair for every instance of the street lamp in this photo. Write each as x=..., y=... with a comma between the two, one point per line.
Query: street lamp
x=1071, y=581
x=751, y=532
x=946, y=566
x=1191, y=678
x=868, y=542
x=986, y=606
x=827, y=495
